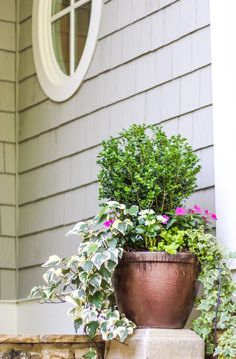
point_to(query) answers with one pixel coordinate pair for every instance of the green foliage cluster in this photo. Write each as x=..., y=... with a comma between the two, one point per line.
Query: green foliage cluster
x=216, y=305
x=88, y=276
x=147, y=168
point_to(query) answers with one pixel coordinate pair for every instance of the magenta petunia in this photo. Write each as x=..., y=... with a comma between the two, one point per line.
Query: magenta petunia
x=108, y=223
x=214, y=216
x=197, y=209
x=166, y=219
x=191, y=211
x=180, y=211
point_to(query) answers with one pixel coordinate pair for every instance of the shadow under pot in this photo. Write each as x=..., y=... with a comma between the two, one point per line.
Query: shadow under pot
x=156, y=289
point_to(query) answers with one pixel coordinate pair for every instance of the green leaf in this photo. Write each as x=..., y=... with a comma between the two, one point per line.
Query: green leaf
x=91, y=329
x=92, y=354
x=132, y=211
x=35, y=291
x=52, y=261
x=92, y=248
x=170, y=249
x=77, y=324
x=98, y=259
x=102, y=215
x=79, y=228
x=83, y=276
x=122, y=333
x=105, y=273
x=170, y=223
x=87, y=266
x=97, y=300
x=95, y=280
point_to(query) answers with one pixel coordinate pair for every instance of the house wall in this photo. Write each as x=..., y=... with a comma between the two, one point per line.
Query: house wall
x=152, y=64
x=7, y=150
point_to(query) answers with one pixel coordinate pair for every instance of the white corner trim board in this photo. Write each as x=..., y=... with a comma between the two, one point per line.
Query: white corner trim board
x=57, y=85
x=223, y=43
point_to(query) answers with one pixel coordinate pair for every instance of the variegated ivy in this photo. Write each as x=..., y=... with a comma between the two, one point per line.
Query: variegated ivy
x=85, y=279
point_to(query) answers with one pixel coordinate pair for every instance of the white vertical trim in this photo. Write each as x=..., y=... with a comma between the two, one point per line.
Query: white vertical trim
x=223, y=41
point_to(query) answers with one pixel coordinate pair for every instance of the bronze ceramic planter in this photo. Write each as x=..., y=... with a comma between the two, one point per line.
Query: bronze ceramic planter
x=156, y=289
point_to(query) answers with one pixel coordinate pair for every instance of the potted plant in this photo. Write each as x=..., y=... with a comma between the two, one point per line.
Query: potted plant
x=145, y=230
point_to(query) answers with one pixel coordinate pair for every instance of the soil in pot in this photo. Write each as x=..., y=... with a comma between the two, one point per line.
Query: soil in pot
x=156, y=289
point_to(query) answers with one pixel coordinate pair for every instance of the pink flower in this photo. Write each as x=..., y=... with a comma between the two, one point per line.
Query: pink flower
x=205, y=218
x=108, y=223
x=214, y=216
x=180, y=211
x=197, y=209
x=207, y=212
x=166, y=219
x=191, y=211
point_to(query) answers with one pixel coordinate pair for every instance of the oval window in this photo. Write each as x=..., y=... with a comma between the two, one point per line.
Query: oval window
x=64, y=38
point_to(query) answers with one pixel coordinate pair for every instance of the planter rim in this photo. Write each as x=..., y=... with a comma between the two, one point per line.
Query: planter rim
x=180, y=257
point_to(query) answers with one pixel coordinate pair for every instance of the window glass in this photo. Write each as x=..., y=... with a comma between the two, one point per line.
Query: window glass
x=58, y=5
x=61, y=42
x=82, y=19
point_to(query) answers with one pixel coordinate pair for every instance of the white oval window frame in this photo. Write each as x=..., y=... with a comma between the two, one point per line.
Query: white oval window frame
x=57, y=85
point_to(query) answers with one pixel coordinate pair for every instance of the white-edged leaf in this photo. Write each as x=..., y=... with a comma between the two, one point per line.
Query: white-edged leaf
x=52, y=261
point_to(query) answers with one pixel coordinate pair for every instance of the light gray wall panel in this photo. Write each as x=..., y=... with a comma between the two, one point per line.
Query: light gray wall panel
x=206, y=178
x=63, y=175
x=2, y=164
x=28, y=278
x=66, y=140
x=7, y=68
x=10, y=157
x=7, y=36
x=25, y=39
x=8, y=284
x=30, y=92
x=62, y=209
x=8, y=11
x=7, y=252
x=205, y=86
x=8, y=220
x=35, y=250
x=7, y=127
x=26, y=64
x=25, y=9
x=7, y=189
x=7, y=96
x=203, y=12
x=176, y=97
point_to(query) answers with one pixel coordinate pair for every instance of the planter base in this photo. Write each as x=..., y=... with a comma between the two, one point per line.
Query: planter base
x=159, y=344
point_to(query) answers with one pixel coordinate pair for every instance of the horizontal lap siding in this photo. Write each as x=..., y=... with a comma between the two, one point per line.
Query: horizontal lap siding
x=7, y=150
x=152, y=64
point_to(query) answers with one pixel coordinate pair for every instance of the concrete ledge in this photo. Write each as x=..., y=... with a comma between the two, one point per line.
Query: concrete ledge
x=159, y=344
